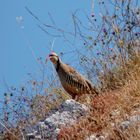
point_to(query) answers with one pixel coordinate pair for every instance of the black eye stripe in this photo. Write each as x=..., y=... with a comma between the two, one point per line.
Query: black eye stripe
x=52, y=55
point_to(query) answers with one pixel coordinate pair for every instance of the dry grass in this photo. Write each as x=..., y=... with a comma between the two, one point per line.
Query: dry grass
x=108, y=110
x=119, y=100
x=111, y=108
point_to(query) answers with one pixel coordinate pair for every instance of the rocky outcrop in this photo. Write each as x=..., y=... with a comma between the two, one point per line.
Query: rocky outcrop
x=67, y=114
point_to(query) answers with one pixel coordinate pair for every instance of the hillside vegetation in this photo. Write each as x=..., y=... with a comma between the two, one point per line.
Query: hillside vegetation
x=111, y=62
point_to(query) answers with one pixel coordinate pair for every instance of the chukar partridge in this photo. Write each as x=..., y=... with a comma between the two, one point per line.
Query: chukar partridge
x=73, y=82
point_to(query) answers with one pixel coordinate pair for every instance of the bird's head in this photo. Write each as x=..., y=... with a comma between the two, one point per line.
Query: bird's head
x=54, y=58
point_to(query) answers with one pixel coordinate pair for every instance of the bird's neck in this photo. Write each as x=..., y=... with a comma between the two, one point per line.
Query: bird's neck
x=57, y=65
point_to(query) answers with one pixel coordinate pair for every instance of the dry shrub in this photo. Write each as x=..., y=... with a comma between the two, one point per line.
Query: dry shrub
x=111, y=108
x=42, y=104
x=118, y=76
x=13, y=134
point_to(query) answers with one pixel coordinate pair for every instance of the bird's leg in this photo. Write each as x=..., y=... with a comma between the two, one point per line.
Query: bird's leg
x=76, y=98
x=73, y=96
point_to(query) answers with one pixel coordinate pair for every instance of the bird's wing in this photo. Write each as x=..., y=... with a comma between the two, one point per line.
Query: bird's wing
x=75, y=75
x=81, y=80
x=75, y=78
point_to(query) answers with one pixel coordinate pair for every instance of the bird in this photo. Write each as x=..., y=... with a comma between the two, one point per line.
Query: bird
x=73, y=82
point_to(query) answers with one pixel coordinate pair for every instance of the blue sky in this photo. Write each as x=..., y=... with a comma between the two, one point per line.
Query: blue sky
x=16, y=59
